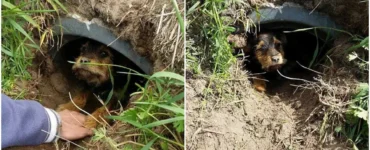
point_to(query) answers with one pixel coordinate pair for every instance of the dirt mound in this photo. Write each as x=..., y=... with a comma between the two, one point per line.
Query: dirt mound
x=352, y=15
x=238, y=118
x=230, y=114
x=150, y=26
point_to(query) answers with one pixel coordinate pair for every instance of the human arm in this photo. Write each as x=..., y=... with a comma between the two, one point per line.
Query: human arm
x=26, y=122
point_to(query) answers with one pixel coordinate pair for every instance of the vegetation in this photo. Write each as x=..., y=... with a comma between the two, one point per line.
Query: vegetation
x=157, y=119
x=212, y=49
x=17, y=47
x=356, y=127
x=160, y=104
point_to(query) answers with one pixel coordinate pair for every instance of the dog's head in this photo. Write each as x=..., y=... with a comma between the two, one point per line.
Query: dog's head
x=269, y=50
x=93, y=53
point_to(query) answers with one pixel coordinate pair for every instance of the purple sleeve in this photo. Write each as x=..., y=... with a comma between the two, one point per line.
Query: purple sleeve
x=22, y=122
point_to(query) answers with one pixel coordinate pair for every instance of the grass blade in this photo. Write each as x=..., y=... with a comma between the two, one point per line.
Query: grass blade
x=7, y=52
x=162, y=122
x=192, y=8
x=179, y=17
x=168, y=75
x=132, y=122
x=171, y=108
x=147, y=146
x=17, y=10
x=316, y=51
x=61, y=5
x=176, y=98
x=20, y=29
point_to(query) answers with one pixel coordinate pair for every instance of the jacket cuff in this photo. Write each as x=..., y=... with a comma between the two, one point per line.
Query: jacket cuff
x=54, y=122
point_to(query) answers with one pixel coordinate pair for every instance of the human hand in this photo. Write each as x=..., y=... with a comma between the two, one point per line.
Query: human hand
x=72, y=125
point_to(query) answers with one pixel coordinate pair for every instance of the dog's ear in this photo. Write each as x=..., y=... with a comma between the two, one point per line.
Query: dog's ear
x=85, y=46
x=282, y=38
x=251, y=40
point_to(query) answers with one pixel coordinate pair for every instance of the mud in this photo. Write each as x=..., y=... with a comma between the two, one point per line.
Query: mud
x=351, y=15
x=239, y=117
x=248, y=120
x=230, y=114
x=152, y=33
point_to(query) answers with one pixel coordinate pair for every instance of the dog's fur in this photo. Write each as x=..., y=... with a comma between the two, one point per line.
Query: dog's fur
x=266, y=51
x=97, y=80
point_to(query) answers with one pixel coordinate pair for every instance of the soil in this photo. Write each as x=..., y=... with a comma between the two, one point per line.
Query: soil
x=150, y=26
x=238, y=117
x=230, y=114
x=351, y=15
x=249, y=120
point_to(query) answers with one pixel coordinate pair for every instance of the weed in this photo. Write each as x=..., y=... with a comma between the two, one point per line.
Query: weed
x=157, y=106
x=158, y=113
x=212, y=49
x=179, y=18
x=356, y=126
x=18, y=20
x=157, y=117
x=353, y=125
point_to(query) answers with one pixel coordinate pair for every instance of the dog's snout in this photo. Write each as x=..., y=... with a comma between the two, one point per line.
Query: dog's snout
x=275, y=59
x=84, y=60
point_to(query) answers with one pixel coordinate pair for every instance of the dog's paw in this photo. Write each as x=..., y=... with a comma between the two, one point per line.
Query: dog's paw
x=98, y=116
x=259, y=85
x=90, y=123
x=61, y=107
x=260, y=88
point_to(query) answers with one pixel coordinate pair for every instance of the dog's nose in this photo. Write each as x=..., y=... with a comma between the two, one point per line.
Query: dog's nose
x=275, y=59
x=84, y=60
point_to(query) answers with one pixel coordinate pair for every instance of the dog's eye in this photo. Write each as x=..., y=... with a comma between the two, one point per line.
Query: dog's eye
x=83, y=49
x=264, y=47
x=277, y=45
x=103, y=54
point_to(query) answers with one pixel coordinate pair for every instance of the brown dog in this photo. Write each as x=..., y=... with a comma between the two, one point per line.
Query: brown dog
x=267, y=55
x=96, y=77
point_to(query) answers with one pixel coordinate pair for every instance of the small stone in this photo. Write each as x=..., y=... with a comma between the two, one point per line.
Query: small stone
x=265, y=122
x=297, y=104
x=199, y=86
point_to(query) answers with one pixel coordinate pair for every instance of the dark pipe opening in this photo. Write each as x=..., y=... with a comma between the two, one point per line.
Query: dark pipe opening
x=308, y=47
x=303, y=48
x=71, y=49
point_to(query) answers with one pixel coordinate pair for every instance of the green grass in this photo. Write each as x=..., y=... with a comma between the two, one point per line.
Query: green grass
x=179, y=17
x=161, y=101
x=210, y=32
x=356, y=128
x=160, y=104
x=18, y=45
